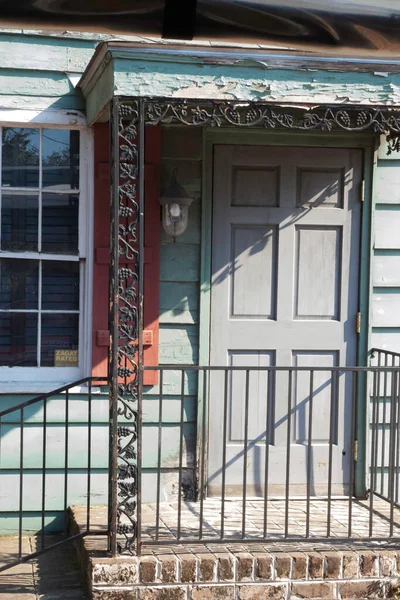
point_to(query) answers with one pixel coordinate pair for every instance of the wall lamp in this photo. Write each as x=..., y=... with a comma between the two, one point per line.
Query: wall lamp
x=175, y=204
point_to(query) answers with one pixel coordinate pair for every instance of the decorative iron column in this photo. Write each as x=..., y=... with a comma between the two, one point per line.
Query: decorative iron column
x=126, y=299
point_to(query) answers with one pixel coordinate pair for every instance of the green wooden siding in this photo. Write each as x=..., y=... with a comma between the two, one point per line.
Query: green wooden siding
x=385, y=320
x=78, y=459
x=179, y=324
x=180, y=260
x=385, y=310
x=78, y=454
x=24, y=51
x=35, y=71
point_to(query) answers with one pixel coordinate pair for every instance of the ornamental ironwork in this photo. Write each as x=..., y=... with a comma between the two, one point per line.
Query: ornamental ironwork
x=125, y=324
x=247, y=115
x=126, y=273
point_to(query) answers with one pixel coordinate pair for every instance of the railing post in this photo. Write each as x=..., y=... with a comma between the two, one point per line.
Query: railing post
x=361, y=425
x=126, y=323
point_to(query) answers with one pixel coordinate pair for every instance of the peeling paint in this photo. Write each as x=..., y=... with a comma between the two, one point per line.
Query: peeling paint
x=35, y=83
x=229, y=82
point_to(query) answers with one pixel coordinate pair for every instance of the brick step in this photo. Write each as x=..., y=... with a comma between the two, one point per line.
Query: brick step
x=281, y=571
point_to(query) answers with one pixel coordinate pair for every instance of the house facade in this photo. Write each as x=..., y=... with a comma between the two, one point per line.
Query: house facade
x=207, y=236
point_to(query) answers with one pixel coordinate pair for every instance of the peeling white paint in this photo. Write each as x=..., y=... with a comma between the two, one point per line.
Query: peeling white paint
x=251, y=84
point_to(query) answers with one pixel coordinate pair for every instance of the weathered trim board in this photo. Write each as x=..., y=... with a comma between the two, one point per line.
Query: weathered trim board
x=116, y=72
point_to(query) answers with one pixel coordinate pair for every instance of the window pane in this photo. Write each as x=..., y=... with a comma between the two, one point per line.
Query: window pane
x=19, y=284
x=60, y=286
x=20, y=157
x=18, y=339
x=59, y=340
x=60, y=159
x=19, y=222
x=60, y=223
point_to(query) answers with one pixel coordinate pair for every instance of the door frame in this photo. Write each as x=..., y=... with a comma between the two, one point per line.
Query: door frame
x=369, y=144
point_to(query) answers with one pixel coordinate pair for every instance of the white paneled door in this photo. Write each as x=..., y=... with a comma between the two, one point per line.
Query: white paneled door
x=285, y=261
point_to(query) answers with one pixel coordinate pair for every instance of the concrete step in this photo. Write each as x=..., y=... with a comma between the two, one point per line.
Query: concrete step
x=55, y=575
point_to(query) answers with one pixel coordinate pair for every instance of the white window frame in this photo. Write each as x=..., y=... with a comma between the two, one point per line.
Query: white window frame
x=43, y=379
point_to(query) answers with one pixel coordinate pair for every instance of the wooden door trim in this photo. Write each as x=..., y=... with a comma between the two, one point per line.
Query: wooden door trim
x=289, y=138
x=365, y=303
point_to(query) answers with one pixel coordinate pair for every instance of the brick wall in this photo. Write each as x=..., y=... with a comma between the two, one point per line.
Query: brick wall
x=257, y=574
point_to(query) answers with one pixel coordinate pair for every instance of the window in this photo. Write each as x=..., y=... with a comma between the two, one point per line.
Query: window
x=42, y=263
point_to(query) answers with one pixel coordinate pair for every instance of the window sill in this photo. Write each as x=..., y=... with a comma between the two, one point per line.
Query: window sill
x=44, y=388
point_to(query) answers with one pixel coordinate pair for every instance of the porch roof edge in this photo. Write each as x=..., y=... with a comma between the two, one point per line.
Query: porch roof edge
x=97, y=84
x=288, y=58
x=242, y=76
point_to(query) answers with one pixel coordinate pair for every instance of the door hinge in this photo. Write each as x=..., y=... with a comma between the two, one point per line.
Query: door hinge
x=362, y=190
x=355, y=451
x=358, y=323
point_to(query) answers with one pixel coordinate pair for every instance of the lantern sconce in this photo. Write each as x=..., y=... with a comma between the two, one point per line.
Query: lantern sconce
x=175, y=204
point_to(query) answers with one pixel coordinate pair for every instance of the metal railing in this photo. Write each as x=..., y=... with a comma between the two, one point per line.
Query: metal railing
x=274, y=457
x=19, y=460
x=384, y=448
x=229, y=454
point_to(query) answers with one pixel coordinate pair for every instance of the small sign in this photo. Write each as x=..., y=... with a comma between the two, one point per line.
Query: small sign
x=66, y=358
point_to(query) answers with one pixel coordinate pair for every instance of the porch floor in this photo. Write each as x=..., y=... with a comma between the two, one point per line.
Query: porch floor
x=254, y=519
x=275, y=529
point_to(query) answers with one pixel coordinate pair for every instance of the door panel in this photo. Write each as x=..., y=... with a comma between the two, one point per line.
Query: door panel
x=253, y=289
x=324, y=390
x=318, y=268
x=284, y=292
x=255, y=186
x=258, y=394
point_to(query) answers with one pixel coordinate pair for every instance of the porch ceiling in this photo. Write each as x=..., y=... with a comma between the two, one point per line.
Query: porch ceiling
x=127, y=70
